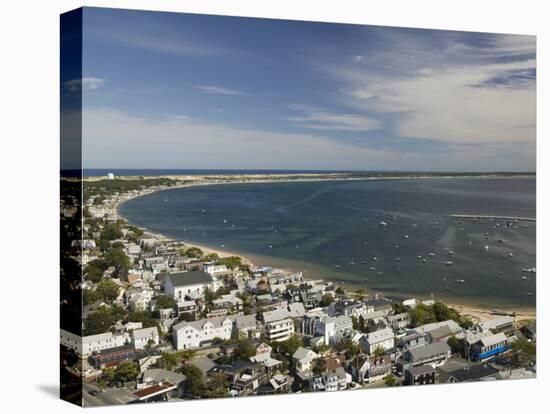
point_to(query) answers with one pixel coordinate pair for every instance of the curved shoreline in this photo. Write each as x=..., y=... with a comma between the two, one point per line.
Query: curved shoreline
x=477, y=312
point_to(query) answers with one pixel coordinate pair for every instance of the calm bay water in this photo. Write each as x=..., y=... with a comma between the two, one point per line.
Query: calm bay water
x=336, y=231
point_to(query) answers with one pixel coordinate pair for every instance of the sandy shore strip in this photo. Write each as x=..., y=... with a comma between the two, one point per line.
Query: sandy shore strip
x=478, y=314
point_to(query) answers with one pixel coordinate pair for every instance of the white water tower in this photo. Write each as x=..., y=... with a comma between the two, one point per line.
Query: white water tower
x=110, y=176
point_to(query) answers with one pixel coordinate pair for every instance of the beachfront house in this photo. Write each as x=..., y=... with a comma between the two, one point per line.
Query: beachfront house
x=504, y=324
x=365, y=369
x=86, y=345
x=145, y=336
x=328, y=327
x=434, y=354
x=488, y=346
x=200, y=333
x=279, y=330
x=303, y=359
x=381, y=339
x=182, y=284
x=421, y=375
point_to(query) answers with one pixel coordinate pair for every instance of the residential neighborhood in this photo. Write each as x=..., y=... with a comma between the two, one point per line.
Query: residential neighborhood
x=164, y=320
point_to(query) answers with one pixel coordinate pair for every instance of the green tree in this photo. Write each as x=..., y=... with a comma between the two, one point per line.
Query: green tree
x=245, y=348
x=212, y=257
x=118, y=259
x=231, y=262
x=90, y=296
x=126, y=371
x=168, y=361
x=108, y=374
x=327, y=299
x=421, y=315
x=117, y=245
x=193, y=252
x=111, y=232
x=398, y=307
x=94, y=270
x=389, y=380
x=378, y=351
x=289, y=346
x=524, y=352
x=165, y=302
x=145, y=317
x=456, y=345
x=107, y=290
x=319, y=366
x=98, y=322
x=194, y=384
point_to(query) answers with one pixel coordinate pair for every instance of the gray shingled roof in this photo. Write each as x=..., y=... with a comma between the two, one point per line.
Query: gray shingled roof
x=421, y=370
x=430, y=350
x=189, y=278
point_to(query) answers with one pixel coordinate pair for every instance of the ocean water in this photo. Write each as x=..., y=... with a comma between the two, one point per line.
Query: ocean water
x=368, y=234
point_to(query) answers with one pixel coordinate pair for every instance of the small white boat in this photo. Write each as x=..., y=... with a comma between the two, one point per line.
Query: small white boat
x=374, y=259
x=529, y=293
x=460, y=280
x=524, y=277
x=424, y=261
x=486, y=247
x=431, y=254
x=449, y=263
x=510, y=255
x=406, y=236
x=383, y=223
x=372, y=268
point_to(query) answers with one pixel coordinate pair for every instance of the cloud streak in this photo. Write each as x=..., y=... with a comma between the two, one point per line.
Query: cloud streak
x=112, y=137
x=219, y=90
x=86, y=83
x=314, y=118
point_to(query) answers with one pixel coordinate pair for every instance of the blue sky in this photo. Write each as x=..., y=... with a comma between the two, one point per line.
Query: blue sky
x=167, y=90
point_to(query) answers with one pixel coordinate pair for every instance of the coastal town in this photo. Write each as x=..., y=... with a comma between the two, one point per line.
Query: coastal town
x=165, y=320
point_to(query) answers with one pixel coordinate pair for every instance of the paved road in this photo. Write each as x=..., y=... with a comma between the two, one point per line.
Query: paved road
x=109, y=396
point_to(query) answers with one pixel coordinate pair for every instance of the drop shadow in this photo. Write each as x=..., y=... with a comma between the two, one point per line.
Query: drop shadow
x=52, y=390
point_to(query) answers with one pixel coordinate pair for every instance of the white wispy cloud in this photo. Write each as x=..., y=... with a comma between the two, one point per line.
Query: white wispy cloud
x=155, y=41
x=86, y=83
x=449, y=104
x=219, y=90
x=112, y=137
x=463, y=93
x=316, y=118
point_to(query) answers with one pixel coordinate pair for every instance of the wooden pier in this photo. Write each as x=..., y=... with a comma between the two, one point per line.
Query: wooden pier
x=474, y=216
